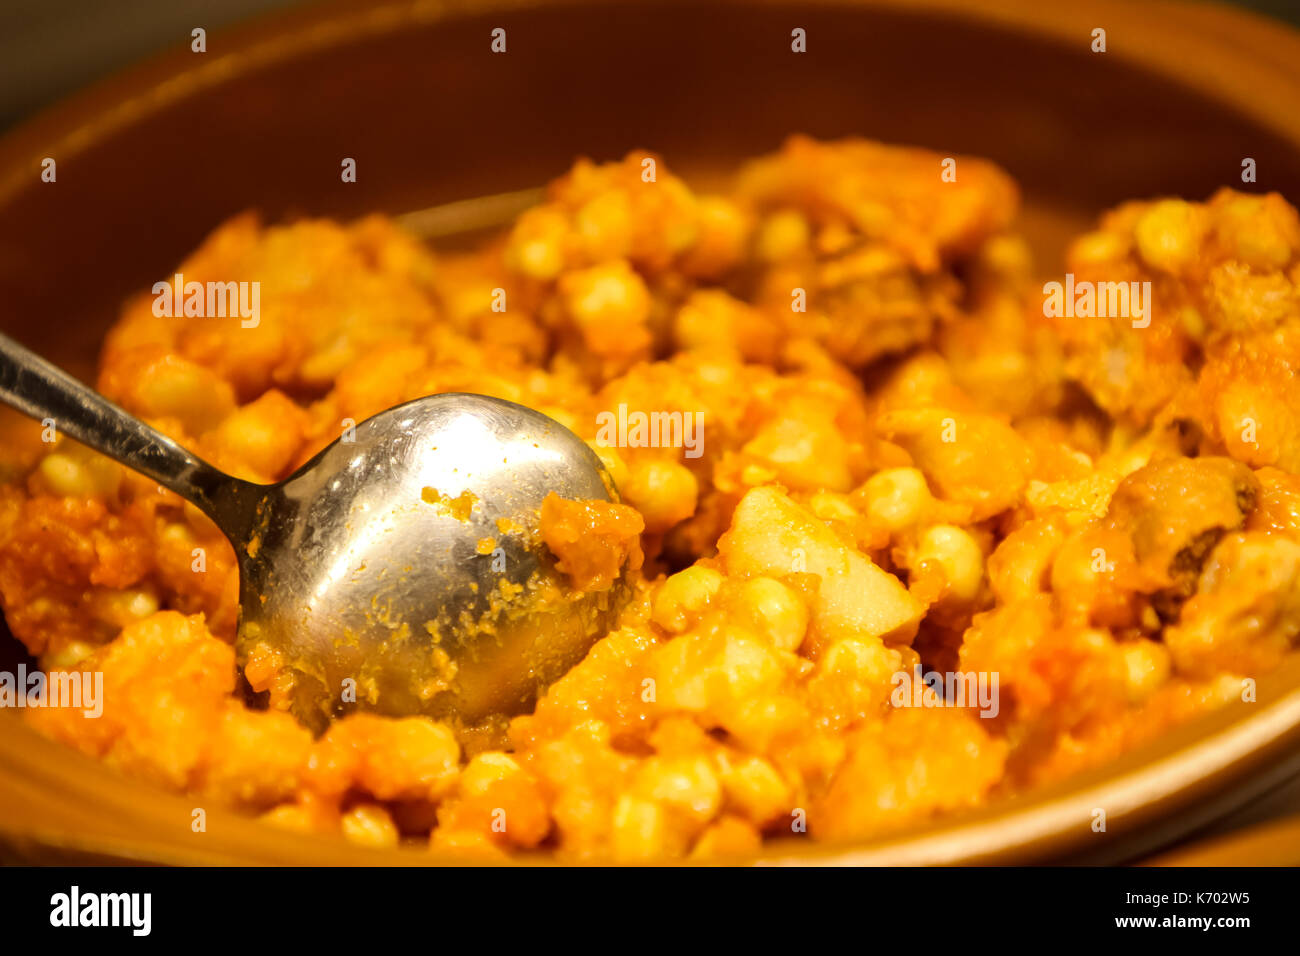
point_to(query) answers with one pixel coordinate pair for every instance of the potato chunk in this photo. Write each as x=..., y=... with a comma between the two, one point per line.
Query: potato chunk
x=1176, y=510
x=772, y=535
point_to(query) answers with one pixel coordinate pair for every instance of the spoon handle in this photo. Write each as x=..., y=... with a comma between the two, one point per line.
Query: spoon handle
x=36, y=388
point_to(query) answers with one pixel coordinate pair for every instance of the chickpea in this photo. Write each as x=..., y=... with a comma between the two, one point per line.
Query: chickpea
x=958, y=554
x=687, y=785
x=728, y=836
x=663, y=491
x=536, y=246
x=262, y=437
x=776, y=610
x=868, y=660
x=640, y=829
x=1098, y=247
x=1169, y=235
x=754, y=788
x=721, y=240
x=1007, y=256
x=604, y=226
x=683, y=597
x=1147, y=665
x=897, y=498
x=67, y=656
x=369, y=825
x=783, y=235
x=1020, y=565
x=610, y=305
x=85, y=475
x=65, y=476
x=175, y=387
x=120, y=608
x=1261, y=235
x=485, y=769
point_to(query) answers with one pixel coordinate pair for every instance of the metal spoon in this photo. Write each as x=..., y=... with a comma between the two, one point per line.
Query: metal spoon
x=400, y=570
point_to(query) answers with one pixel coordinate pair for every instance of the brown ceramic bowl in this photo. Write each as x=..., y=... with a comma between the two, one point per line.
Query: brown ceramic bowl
x=149, y=162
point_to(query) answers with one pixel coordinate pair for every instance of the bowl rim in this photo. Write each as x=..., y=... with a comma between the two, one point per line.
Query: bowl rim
x=1209, y=764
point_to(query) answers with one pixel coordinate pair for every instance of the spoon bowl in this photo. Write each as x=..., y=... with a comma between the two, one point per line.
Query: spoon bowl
x=402, y=569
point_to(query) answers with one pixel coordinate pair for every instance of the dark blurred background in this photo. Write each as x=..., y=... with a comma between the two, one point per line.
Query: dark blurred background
x=49, y=48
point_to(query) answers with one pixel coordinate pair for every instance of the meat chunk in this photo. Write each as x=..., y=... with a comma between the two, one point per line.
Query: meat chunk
x=855, y=239
x=1175, y=510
